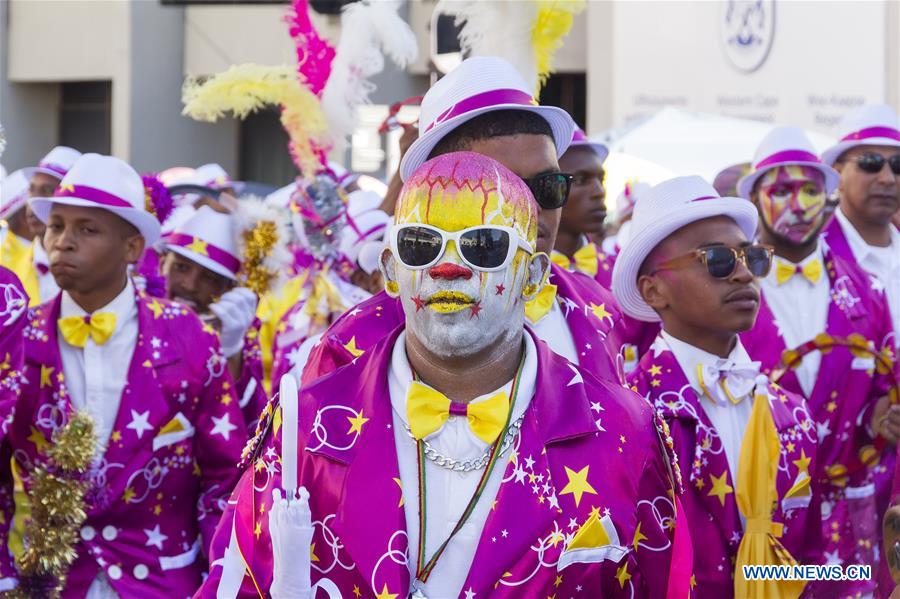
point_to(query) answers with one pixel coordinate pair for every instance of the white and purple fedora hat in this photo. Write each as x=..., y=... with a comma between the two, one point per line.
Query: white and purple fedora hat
x=661, y=211
x=107, y=183
x=785, y=146
x=56, y=163
x=208, y=238
x=14, y=194
x=579, y=139
x=868, y=125
x=213, y=176
x=478, y=85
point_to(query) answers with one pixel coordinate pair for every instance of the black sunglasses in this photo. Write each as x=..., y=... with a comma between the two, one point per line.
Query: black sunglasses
x=873, y=163
x=721, y=260
x=550, y=190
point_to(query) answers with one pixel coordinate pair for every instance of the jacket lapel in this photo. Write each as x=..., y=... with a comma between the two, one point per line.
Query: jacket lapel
x=368, y=473
x=526, y=504
x=43, y=351
x=143, y=407
x=710, y=480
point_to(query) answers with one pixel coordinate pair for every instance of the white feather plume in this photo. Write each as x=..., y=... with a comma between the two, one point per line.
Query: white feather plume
x=497, y=28
x=370, y=30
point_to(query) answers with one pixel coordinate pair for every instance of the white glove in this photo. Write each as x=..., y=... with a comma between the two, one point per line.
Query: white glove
x=236, y=310
x=291, y=531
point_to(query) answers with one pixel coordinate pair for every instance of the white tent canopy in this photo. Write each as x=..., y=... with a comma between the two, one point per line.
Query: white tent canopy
x=695, y=143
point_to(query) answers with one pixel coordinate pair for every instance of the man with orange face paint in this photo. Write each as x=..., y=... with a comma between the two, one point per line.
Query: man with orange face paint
x=458, y=456
x=824, y=332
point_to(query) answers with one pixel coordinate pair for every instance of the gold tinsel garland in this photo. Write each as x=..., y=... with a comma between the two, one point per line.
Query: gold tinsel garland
x=258, y=244
x=57, y=510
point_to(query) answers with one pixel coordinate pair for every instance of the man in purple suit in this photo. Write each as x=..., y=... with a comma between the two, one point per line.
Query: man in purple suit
x=151, y=378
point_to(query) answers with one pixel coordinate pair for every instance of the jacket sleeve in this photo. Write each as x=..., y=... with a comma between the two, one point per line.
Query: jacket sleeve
x=251, y=391
x=221, y=434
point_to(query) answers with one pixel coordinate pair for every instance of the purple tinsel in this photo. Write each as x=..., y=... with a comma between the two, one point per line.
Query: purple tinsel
x=158, y=199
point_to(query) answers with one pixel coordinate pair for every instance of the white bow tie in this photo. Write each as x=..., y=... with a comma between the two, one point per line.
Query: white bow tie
x=727, y=381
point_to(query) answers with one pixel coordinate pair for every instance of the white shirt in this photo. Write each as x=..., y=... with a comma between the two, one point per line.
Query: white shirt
x=883, y=262
x=448, y=492
x=96, y=374
x=553, y=329
x=46, y=283
x=729, y=420
x=801, y=312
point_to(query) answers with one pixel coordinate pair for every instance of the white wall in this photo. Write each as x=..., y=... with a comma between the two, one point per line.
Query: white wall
x=825, y=58
x=83, y=40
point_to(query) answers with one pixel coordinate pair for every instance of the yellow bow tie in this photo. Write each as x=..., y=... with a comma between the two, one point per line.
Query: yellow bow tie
x=100, y=327
x=537, y=308
x=812, y=270
x=428, y=409
x=585, y=260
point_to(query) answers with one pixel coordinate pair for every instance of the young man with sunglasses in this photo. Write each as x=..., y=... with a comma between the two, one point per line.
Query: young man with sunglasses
x=824, y=331
x=484, y=106
x=458, y=456
x=151, y=378
x=692, y=264
x=868, y=159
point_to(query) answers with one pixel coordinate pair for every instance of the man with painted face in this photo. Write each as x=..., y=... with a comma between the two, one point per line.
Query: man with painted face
x=458, y=456
x=824, y=331
x=485, y=106
x=691, y=263
x=581, y=223
x=201, y=267
x=868, y=159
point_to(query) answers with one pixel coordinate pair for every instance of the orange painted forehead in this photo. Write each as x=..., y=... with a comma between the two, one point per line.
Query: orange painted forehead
x=463, y=189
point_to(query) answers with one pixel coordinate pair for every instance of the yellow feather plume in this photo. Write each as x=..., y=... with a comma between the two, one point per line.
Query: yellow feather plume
x=244, y=89
x=553, y=22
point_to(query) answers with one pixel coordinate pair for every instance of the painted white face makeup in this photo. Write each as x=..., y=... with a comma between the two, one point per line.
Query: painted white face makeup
x=453, y=309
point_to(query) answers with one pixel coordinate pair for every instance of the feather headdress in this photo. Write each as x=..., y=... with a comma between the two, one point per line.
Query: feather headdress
x=527, y=33
x=244, y=89
x=370, y=30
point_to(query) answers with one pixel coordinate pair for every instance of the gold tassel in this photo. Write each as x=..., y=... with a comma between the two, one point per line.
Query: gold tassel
x=58, y=510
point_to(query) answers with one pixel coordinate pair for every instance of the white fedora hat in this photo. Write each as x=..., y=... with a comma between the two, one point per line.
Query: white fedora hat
x=107, y=183
x=660, y=212
x=785, y=146
x=580, y=140
x=56, y=163
x=868, y=125
x=14, y=194
x=478, y=85
x=211, y=175
x=208, y=238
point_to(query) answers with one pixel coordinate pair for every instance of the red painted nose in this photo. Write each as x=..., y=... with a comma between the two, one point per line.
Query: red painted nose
x=449, y=271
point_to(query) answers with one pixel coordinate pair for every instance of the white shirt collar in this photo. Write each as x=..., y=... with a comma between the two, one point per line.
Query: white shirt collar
x=39, y=253
x=401, y=376
x=858, y=245
x=688, y=356
x=123, y=305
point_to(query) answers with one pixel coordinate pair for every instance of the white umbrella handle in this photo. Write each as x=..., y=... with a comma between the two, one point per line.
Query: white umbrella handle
x=288, y=399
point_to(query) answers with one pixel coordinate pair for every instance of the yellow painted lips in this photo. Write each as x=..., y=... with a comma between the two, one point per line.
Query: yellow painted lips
x=447, y=302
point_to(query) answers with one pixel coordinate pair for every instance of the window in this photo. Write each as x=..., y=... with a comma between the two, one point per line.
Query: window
x=569, y=92
x=264, y=156
x=85, y=115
